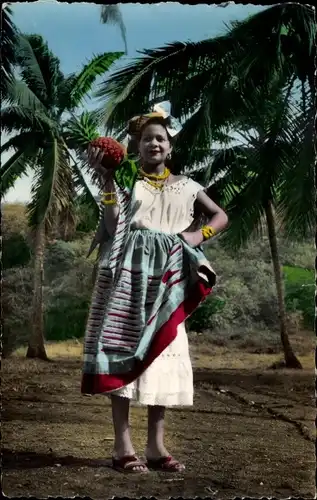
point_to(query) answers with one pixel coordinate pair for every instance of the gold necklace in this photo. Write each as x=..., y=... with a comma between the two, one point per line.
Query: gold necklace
x=155, y=180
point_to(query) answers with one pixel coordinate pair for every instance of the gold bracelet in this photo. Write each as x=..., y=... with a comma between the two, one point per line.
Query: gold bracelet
x=208, y=232
x=109, y=199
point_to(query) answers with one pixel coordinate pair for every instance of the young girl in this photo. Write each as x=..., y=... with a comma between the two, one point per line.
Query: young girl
x=151, y=277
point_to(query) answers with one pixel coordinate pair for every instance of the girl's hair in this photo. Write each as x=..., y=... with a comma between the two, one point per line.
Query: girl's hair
x=156, y=120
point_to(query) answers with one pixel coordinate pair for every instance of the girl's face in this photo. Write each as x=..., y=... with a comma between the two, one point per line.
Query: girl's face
x=154, y=144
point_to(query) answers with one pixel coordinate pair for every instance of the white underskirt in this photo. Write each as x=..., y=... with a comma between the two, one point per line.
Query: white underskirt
x=168, y=381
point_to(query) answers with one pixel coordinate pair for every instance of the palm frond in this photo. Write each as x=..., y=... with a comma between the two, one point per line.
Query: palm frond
x=132, y=88
x=17, y=165
x=29, y=68
x=21, y=118
x=111, y=14
x=297, y=196
x=20, y=94
x=64, y=91
x=40, y=68
x=78, y=86
x=21, y=140
x=9, y=37
x=245, y=215
x=52, y=189
x=81, y=186
x=193, y=144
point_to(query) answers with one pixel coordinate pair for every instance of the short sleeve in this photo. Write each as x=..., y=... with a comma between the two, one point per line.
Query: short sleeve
x=195, y=187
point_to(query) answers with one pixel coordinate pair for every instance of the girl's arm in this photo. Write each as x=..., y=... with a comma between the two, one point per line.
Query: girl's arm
x=111, y=211
x=218, y=220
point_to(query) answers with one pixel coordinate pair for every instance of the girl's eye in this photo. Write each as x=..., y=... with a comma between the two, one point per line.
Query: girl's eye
x=149, y=139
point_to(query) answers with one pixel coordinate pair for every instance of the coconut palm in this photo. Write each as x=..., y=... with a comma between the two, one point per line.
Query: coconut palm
x=220, y=84
x=39, y=104
x=262, y=182
x=111, y=14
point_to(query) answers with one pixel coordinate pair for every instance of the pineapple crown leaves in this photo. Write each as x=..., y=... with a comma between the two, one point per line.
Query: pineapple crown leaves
x=80, y=131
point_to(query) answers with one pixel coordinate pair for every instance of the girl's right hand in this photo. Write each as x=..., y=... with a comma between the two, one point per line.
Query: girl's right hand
x=95, y=156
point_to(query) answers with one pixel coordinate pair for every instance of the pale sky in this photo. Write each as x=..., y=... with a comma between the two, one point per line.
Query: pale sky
x=74, y=33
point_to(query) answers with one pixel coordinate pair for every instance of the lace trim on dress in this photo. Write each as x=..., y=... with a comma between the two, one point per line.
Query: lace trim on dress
x=175, y=187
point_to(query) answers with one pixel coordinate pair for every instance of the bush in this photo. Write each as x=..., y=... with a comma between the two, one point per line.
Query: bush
x=202, y=319
x=66, y=318
x=87, y=218
x=67, y=293
x=244, y=296
x=246, y=290
x=15, y=251
x=67, y=302
x=59, y=259
x=16, y=308
x=301, y=255
x=300, y=293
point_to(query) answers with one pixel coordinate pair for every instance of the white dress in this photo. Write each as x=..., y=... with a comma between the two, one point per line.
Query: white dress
x=168, y=381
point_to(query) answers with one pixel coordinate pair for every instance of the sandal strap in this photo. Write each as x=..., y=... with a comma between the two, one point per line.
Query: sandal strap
x=165, y=463
x=170, y=462
x=128, y=462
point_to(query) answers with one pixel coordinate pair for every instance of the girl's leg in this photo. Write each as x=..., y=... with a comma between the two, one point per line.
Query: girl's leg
x=123, y=446
x=157, y=455
x=120, y=416
x=155, y=439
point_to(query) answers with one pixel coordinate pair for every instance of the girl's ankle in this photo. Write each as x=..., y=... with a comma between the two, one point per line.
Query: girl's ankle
x=123, y=450
x=156, y=450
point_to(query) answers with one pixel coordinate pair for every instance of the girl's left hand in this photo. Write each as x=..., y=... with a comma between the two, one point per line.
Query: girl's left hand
x=193, y=239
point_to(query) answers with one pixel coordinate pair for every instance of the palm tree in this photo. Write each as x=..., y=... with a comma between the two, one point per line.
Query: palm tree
x=111, y=14
x=36, y=113
x=262, y=182
x=218, y=85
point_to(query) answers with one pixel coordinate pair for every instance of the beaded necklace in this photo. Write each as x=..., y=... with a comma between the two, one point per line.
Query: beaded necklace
x=155, y=180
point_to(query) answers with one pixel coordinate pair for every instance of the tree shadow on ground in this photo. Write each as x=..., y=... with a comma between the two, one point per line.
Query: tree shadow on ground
x=34, y=460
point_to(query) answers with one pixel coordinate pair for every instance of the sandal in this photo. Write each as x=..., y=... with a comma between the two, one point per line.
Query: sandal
x=128, y=463
x=167, y=464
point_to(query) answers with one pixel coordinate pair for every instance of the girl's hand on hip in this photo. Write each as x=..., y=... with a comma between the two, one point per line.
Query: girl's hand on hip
x=193, y=239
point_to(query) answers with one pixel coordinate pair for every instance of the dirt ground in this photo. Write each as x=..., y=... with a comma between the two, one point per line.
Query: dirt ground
x=250, y=433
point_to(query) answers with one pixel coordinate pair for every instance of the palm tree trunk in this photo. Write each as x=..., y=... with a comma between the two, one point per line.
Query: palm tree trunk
x=36, y=347
x=290, y=359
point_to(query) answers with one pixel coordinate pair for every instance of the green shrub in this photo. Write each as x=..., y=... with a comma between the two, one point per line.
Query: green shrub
x=59, y=259
x=16, y=300
x=301, y=255
x=66, y=318
x=202, y=318
x=87, y=218
x=300, y=293
x=67, y=300
x=244, y=296
x=15, y=251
